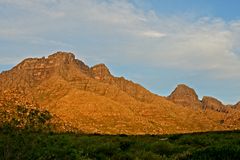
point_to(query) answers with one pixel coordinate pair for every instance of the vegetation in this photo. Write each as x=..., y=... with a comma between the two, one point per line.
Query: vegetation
x=26, y=134
x=32, y=145
x=21, y=118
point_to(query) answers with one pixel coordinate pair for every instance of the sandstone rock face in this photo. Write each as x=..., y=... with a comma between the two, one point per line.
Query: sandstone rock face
x=237, y=106
x=32, y=71
x=101, y=72
x=92, y=100
x=213, y=103
x=185, y=96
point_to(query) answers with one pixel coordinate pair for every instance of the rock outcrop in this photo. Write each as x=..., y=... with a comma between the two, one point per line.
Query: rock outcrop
x=185, y=96
x=32, y=71
x=237, y=106
x=213, y=104
x=101, y=72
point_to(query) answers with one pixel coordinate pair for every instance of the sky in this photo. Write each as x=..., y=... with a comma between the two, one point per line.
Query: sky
x=157, y=43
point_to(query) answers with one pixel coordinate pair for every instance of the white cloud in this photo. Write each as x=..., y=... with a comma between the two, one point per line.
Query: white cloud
x=153, y=34
x=128, y=34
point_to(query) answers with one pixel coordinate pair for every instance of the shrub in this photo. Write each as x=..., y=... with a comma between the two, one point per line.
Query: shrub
x=22, y=118
x=163, y=148
x=217, y=152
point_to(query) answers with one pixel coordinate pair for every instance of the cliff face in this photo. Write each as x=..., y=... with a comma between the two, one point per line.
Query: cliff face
x=92, y=100
x=237, y=106
x=101, y=72
x=32, y=71
x=213, y=104
x=185, y=96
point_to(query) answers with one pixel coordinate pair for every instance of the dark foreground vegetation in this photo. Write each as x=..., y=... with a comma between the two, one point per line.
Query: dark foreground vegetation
x=26, y=134
x=43, y=146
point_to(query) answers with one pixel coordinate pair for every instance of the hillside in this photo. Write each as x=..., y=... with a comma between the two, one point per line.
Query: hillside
x=92, y=100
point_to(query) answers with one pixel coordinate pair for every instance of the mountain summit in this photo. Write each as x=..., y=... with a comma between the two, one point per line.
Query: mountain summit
x=185, y=96
x=93, y=100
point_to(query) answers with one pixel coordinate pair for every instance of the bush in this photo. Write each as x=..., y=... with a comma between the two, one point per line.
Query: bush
x=217, y=153
x=39, y=145
x=21, y=118
x=163, y=148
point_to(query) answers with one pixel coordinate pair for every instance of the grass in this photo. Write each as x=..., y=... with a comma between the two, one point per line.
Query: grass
x=43, y=146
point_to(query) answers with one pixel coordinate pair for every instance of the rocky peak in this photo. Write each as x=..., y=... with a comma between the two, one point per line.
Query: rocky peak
x=185, y=96
x=213, y=104
x=101, y=72
x=62, y=56
x=56, y=59
x=69, y=66
x=32, y=71
x=237, y=105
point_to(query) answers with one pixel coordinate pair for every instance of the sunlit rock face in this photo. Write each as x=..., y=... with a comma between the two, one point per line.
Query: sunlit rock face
x=101, y=72
x=185, y=96
x=237, y=106
x=213, y=103
x=93, y=100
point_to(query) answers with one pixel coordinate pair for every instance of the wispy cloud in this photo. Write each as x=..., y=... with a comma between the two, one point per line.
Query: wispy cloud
x=119, y=31
x=153, y=34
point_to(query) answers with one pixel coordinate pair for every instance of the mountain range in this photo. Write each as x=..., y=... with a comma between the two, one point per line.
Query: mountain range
x=92, y=100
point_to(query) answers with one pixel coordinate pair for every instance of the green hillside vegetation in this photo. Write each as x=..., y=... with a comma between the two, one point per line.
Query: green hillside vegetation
x=26, y=134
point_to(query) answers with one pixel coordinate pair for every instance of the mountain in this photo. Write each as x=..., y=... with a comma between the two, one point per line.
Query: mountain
x=214, y=104
x=185, y=96
x=93, y=100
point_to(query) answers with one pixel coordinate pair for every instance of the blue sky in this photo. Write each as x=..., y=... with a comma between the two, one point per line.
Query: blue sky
x=226, y=9
x=157, y=43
